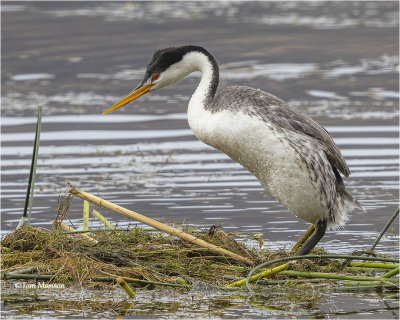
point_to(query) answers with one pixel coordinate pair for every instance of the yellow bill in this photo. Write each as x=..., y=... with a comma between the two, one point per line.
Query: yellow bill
x=134, y=95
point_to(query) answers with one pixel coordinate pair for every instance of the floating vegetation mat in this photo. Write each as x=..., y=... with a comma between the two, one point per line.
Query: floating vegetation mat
x=146, y=258
x=151, y=257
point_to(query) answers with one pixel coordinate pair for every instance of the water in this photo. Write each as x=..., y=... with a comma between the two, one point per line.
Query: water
x=336, y=61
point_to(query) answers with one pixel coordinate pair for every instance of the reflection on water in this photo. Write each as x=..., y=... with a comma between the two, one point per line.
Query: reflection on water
x=200, y=302
x=336, y=61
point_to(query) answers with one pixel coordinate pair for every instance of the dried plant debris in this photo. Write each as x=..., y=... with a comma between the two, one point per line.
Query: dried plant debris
x=145, y=255
x=136, y=253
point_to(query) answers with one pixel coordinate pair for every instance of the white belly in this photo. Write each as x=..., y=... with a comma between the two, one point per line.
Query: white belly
x=266, y=154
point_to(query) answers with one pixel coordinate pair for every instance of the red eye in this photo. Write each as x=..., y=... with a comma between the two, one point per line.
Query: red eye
x=155, y=76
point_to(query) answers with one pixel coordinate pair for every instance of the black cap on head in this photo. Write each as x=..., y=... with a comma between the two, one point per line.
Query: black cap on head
x=164, y=58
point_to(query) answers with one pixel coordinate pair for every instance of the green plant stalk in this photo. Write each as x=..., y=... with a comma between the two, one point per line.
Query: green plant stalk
x=299, y=281
x=309, y=232
x=378, y=268
x=395, y=214
x=392, y=282
x=20, y=271
x=263, y=274
x=126, y=288
x=360, y=269
x=125, y=309
x=325, y=275
x=36, y=152
x=23, y=276
x=99, y=216
x=311, y=256
x=26, y=217
x=275, y=282
x=391, y=273
x=85, y=226
x=373, y=265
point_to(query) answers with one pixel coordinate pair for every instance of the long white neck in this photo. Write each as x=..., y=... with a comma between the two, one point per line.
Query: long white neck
x=200, y=104
x=206, y=64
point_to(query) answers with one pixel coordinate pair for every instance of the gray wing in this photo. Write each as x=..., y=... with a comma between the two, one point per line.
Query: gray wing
x=274, y=110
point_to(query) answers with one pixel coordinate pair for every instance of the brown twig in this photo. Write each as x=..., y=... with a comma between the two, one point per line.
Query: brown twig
x=158, y=225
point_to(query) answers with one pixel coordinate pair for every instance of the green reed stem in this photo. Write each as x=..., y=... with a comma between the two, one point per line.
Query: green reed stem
x=20, y=271
x=100, y=217
x=391, y=273
x=126, y=288
x=329, y=256
x=326, y=275
x=373, y=265
x=260, y=275
x=26, y=217
x=395, y=214
x=85, y=226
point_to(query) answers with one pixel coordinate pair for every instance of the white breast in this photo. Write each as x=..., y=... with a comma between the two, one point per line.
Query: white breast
x=265, y=153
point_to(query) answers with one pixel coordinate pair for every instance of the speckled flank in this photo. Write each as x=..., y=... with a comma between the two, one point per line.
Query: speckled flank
x=283, y=117
x=314, y=147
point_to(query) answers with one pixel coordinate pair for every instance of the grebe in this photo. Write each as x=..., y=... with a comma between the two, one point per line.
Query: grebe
x=294, y=158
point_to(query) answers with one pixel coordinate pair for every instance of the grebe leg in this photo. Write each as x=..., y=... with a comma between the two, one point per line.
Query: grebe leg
x=313, y=240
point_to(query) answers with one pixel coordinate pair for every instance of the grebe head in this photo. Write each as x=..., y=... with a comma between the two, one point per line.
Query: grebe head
x=166, y=67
